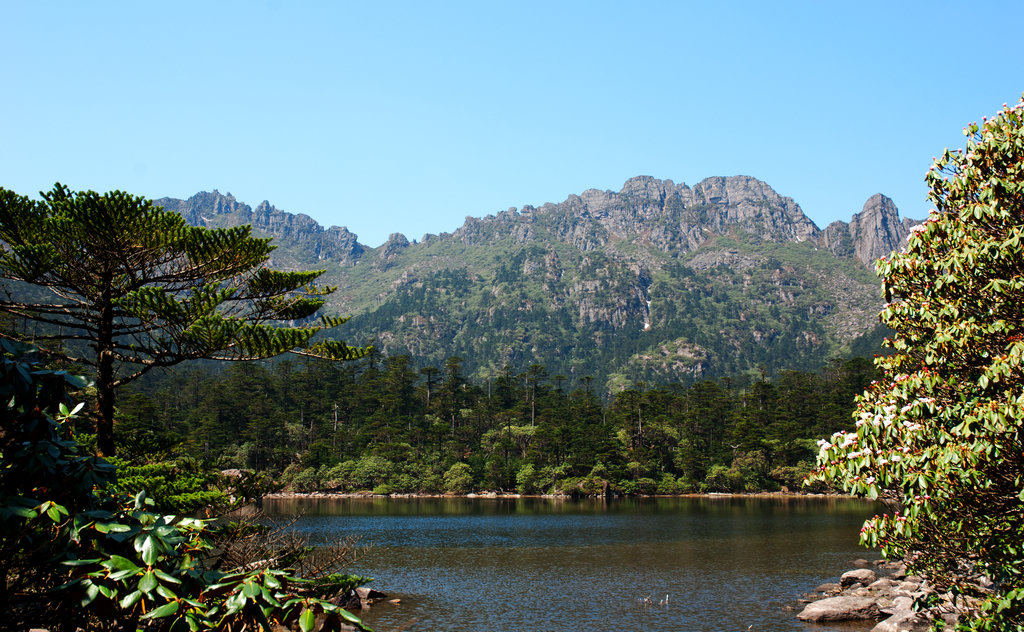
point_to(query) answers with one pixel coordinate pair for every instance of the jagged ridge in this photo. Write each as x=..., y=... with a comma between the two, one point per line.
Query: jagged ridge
x=657, y=281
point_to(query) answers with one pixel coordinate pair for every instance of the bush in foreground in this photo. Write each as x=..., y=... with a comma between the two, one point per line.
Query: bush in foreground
x=941, y=436
x=72, y=558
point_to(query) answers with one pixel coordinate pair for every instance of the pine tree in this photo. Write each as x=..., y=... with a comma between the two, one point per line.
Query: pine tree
x=131, y=287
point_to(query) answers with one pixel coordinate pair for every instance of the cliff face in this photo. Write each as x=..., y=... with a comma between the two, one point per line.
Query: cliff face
x=873, y=233
x=672, y=217
x=657, y=281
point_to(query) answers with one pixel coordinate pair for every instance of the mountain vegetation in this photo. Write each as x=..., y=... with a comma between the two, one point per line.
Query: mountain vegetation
x=659, y=282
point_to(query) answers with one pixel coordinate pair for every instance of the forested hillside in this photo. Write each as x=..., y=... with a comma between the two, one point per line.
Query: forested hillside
x=659, y=282
x=380, y=425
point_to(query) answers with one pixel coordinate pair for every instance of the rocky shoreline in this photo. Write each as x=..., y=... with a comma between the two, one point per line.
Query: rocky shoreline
x=887, y=597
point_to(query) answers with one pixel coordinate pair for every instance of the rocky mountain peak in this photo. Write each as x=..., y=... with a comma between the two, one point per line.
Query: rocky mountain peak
x=648, y=187
x=203, y=207
x=389, y=250
x=756, y=207
x=872, y=233
x=214, y=209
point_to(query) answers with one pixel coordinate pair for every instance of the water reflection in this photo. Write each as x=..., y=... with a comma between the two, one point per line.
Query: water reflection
x=489, y=565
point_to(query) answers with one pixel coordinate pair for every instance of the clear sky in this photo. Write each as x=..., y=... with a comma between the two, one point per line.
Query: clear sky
x=409, y=116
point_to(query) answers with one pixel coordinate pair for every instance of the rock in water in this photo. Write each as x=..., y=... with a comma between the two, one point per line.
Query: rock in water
x=842, y=608
x=862, y=576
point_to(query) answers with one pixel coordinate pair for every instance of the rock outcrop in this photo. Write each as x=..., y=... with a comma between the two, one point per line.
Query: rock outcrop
x=841, y=608
x=389, y=251
x=894, y=601
x=873, y=233
x=335, y=244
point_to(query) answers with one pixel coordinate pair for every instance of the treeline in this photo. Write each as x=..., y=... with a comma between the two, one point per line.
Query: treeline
x=381, y=425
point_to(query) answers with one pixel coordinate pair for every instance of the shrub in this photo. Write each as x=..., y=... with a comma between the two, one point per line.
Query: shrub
x=458, y=479
x=941, y=435
x=70, y=558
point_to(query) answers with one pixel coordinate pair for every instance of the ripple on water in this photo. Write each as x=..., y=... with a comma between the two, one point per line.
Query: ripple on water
x=486, y=565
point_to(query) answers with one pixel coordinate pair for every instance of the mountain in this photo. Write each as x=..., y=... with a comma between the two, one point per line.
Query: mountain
x=656, y=282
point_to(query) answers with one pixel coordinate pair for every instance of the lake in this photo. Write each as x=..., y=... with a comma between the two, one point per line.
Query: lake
x=550, y=565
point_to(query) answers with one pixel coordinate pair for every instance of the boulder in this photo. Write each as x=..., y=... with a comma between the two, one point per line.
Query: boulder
x=884, y=585
x=905, y=621
x=862, y=576
x=369, y=595
x=898, y=604
x=842, y=608
x=828, y=588
x=908, y=587
x=348, y=600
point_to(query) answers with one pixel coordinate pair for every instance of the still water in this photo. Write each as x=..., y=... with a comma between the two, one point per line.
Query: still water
x=497, y=565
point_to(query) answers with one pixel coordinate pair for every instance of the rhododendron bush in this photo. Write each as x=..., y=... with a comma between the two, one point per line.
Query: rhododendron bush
x=941, y=436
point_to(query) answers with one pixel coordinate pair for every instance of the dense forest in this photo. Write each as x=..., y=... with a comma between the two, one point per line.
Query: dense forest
x=381, y=425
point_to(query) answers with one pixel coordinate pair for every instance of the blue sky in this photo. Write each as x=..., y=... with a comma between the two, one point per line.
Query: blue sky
x=409, y=116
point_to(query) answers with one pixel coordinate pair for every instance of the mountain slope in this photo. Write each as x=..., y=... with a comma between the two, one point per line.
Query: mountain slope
x=658, y=281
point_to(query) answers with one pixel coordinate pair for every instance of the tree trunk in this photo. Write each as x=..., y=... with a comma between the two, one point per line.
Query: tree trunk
x=105, y=404
x=105, y=373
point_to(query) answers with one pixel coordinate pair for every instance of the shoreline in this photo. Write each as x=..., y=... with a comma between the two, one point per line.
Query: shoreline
x=513, y=496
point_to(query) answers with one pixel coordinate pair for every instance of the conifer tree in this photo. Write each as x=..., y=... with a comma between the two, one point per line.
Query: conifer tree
x=131, y=286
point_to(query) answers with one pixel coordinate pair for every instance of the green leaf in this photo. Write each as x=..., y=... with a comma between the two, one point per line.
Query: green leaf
x=271, y=581
x=148, y=547
x=234, y=603
x=123, y=575
x=121, y=563
x=148, y=582
x=307, y=621
x=165, y=577
x=79, y=562
x=91, y=592
x=351, y=618
x=250, y=589
x=130, y=599
x=165, y=610
x=269, y=597
x=22, y=512
x=55, y=511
